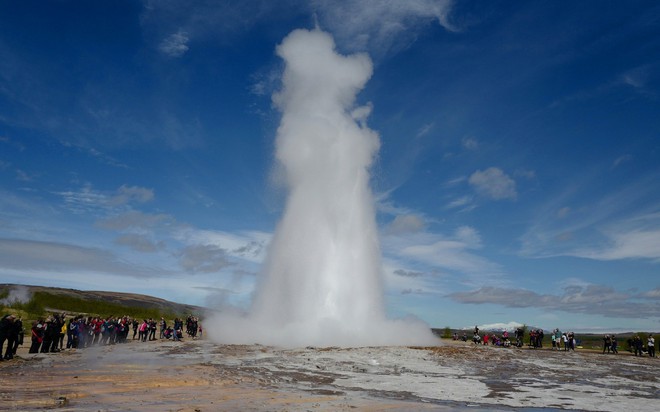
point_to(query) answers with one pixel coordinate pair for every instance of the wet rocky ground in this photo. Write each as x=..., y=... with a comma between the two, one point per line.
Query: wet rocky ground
x=202, y=376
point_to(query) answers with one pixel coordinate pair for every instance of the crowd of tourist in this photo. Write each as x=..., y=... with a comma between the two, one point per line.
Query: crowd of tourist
x=565, y=341
x=637, y=345
x=49, y=334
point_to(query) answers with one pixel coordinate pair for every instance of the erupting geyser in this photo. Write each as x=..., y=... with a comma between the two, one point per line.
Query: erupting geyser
x=322, y=283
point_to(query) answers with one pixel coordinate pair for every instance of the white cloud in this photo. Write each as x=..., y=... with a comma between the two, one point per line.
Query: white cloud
x=204, y=258
x=637, y=77
x=409, y=223
x=377, y=26
x=563, y=212
x=385, y=205
x=454, y=182
x=57, y=257
x=469, y=236
x=23, y=176
x=249, y=245
x=126, y=194
x=140, y=243
x=175, y=45
x=526, y=174
x=450, y=253
x=588, y=299
x=470, y=143
x=652, y=294
x=135, y=220
x=380, y=26
x=426, y=129
x=87, y=199
x=493, y=183
x=635, y=244
x=621, y=160
x=400, y=280
x=461, y=202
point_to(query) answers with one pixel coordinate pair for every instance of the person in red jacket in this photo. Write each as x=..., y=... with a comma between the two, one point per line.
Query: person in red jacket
x=37, y=336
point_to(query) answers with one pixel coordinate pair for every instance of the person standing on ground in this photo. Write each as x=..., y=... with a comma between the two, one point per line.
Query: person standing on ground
x=152, y=329
x=650, y=346
x=134, y=323
x=6, y=333
x=607, y=343
x=144, y=327
x=163, y=326
x=37, y=336
x=20, y=335
x=58, y=321
x=63, y=332
x=557, y=339
x=47, y=335
x=12, y=338
x=637, y=345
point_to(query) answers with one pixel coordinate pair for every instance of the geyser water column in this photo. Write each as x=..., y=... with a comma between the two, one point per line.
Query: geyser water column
x=322, y=283
x=322, y=275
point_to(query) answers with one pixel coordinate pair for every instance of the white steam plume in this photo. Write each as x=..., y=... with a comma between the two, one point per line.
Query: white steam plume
x=17, y=294
x=322, y=283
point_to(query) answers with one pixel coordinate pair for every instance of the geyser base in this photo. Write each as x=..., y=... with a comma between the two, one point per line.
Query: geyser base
x=246, y=330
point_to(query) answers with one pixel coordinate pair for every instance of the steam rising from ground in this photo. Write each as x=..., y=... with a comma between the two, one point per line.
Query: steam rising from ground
x=16, y=294
x=321, y=283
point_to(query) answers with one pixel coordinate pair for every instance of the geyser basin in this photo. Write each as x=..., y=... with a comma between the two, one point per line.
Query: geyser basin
x=322, y=282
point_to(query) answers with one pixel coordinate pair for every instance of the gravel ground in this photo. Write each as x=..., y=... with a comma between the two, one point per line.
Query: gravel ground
x=202, y=376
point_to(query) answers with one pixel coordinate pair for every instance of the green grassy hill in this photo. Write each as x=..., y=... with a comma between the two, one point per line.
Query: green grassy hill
x=32, y=302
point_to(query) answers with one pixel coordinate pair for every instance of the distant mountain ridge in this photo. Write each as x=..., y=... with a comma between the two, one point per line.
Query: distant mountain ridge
x=120, y=298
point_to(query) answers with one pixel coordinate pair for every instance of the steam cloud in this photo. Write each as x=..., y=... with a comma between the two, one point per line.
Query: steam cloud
x=17, y=294
x=321, y=283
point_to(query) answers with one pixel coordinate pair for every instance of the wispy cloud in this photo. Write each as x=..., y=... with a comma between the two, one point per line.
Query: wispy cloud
x=134, y=219
x=126, y=194
x=456, y=253
x=652, y=294
x=204, y=258
x=465, y=203
x=87, y=199
x=494, y=183
x=23, y=176
x=470, y=143
x=408, y=223
x=589, y=299
x=640, y=79
x=633, y=244
x=426, y=129
x=381, y=26
x=611, y=227
x=408, y=273
x=249, y=246
x=140, y=243
x=621, y=160
x=57, y=257
x=400, y=280
x=175, y=45
x=84, y=200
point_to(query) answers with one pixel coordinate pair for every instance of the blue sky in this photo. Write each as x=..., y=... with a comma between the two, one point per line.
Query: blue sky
x=518, y=177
